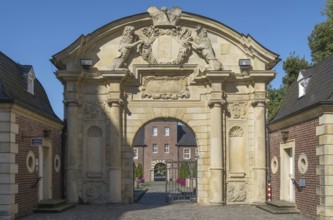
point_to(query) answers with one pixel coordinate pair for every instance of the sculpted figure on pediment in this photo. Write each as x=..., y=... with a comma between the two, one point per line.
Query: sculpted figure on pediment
x=202, y=44
x=127, y=42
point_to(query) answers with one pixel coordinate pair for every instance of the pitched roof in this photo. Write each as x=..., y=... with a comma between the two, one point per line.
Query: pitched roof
x=319, y=90
x=13, y=88
x=185, y=137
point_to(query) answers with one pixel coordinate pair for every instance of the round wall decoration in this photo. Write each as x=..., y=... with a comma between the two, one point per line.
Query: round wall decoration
x=57, y=163
x=274, y=165
x=31, y=162
x=303, y=163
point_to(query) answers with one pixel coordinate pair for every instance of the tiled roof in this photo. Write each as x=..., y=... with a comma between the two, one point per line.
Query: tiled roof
x=13, y=88
x=319, y=90
x=185, y=137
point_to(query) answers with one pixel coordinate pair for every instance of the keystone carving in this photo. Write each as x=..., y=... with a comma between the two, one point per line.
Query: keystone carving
x=163, y=17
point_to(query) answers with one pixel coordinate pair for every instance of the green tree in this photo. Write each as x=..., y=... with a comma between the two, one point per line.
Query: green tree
x=184, y=170
x=138, y=171
x=292, y=66
x=321, y=38
x=275, y=97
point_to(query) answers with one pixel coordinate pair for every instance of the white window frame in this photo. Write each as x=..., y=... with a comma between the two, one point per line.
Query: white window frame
x=155, y=131
x=166, y=148
x=155, y=148
x=166, y=131
x=30, y=80
x=187, y=155
x=136, y=153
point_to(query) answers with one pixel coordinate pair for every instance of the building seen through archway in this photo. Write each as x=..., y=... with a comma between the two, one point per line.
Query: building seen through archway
x=159, y=142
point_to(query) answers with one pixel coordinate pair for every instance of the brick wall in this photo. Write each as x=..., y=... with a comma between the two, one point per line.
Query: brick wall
x=305, y=142
x=27, y=196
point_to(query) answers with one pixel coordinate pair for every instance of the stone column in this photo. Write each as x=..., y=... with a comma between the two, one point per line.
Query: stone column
x=72, y=157
x=115, y=152
x=216, y=153
x=259, y=169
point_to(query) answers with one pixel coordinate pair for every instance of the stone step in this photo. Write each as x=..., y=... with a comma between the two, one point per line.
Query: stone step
x=281, y=204
x=54, y=205
x=277, y=210
x=49, y=203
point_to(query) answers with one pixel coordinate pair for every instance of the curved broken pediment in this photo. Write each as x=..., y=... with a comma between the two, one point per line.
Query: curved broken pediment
x=164, y=36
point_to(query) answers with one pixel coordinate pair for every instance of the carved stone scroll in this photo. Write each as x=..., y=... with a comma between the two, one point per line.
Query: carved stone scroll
x=165, y=88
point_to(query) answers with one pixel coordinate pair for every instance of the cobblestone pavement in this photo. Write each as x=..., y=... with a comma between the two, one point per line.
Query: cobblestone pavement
x=153, y=206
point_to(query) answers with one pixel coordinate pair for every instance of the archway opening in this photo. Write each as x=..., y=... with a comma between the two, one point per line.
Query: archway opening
x=164, y=148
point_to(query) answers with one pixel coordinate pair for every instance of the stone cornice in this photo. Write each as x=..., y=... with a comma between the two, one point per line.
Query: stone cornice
x=35, y=116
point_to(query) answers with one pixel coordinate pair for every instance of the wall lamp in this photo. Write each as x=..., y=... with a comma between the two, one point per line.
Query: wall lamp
x=285, y=135
x=244, y=63
x=86, y=63
x=46, y=133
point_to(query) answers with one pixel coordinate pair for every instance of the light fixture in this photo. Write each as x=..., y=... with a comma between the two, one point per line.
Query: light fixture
x=244, y=63
x=285, y=135
x=46, y=133
x=86, y=63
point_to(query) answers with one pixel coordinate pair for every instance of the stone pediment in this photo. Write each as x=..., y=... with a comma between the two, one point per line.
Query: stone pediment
x=165, y=36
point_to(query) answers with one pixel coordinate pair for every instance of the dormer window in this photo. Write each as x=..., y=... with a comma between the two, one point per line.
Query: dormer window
x=303, y=82
x=30, y=79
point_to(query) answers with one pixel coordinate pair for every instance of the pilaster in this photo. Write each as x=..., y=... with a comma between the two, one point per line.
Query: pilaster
x=8, y=165
x=325, y=168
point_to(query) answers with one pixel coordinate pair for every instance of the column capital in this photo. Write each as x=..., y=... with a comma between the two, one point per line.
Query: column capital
x=217, y=102
x=115, y=102
x=71, y=103
x=259, y=103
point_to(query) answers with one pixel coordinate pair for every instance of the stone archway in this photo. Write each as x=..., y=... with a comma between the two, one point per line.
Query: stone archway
x=180, y=66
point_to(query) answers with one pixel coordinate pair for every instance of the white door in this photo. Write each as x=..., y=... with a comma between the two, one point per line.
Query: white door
x=45, y=173
x=287, y=190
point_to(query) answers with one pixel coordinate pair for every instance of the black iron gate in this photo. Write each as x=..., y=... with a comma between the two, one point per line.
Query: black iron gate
x=181, y=181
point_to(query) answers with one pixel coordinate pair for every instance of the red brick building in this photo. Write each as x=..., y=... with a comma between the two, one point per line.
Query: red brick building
x=30, y=142
x=162, y=141
x=300, y=139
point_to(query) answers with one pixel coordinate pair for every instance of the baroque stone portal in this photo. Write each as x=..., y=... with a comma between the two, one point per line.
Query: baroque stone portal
x=173, y=65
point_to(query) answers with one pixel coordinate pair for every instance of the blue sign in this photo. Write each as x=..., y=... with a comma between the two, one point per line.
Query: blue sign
x=36, y=141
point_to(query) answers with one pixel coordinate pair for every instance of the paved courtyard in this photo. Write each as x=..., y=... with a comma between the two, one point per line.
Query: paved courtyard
x=153, y=206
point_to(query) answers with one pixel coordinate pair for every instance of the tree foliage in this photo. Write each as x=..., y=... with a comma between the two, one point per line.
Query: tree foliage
x=321, y=38
x=292, y=66
x=275, y=97
x=138, y=171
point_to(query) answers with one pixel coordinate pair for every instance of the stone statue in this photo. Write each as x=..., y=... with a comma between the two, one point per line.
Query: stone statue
x=202, y=44
x=163, y=17
x=126, y=44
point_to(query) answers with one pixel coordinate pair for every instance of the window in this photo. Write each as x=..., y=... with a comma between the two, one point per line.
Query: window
x=166, y=148
x=155, y=131
x=303, y=82
x=30, y=81
x=186, y=153
x=154, y=148
x=136, y=153
x=166, y=131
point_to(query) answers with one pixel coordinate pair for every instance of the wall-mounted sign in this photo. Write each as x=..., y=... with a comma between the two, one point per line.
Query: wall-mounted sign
x=36, y=141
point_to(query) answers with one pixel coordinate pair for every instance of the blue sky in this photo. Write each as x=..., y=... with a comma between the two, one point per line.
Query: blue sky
x=34, y=30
